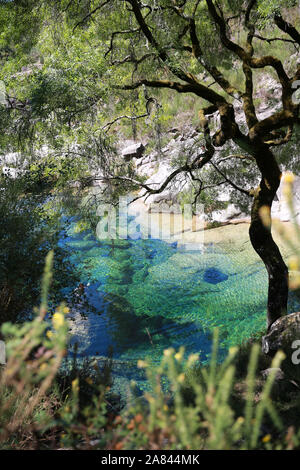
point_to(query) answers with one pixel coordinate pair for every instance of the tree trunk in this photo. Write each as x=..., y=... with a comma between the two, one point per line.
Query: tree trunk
x=261, y=237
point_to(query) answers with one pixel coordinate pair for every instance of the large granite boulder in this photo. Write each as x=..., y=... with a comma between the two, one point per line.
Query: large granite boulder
x=284, y=335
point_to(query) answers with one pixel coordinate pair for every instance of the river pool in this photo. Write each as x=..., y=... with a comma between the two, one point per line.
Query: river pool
x=139, y=297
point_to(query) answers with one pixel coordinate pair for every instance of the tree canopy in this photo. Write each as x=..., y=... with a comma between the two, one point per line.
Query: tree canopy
x=72, y=70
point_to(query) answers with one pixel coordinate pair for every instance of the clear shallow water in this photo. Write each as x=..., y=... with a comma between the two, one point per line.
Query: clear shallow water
x=140, y=297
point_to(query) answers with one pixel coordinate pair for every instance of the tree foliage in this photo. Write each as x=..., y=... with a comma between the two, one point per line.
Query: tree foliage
x=87, y=63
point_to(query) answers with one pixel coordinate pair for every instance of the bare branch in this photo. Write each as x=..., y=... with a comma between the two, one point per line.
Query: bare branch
x=91, y=13
x=115, y=33
x=214, y=72
x=287, y=28
x=187, y=77
x=196, y=88
x=276, y=121
x=283, y=140
x=240, y=157
x=131, y=118
x=269, y=40
x=241, y=53
x=244, y=191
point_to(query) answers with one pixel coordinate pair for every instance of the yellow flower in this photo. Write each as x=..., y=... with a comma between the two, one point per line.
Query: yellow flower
x=58, y=320
x=49, y=334
x=178, y=356
x=266, y=438
x=168, y=352
x=265, y=214
x=66, y=310
x=233, y=350
x=181, y=378
x=294, y=281
x=43, y=366
x=193, y=358
x=75, y=385
x=141, y=364
x=293, y=263
x=289, y=177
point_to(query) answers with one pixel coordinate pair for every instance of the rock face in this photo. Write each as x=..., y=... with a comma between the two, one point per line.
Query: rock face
x=285, y=335
x=133, y=151
x=184, y=143
x=280, y=208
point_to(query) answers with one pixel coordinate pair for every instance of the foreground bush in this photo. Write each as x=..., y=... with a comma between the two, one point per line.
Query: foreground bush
x=188, y=407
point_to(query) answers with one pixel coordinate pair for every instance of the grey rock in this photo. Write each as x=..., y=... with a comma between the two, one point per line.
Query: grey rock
x=279, y=373
x=283, y=383
x=280, y=385
x=175, y=132
x=282, y=334
x=2, y=353
x=164, y=207
x=281, y=209
x=133, y=151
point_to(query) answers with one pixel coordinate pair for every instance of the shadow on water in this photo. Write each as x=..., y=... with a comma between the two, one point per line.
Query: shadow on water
x=115, y=327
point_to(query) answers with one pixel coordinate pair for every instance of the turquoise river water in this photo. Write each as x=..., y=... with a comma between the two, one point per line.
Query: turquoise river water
x=139, y=297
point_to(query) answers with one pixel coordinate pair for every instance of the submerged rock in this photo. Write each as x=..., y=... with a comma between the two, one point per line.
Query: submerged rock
x=214, y=276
